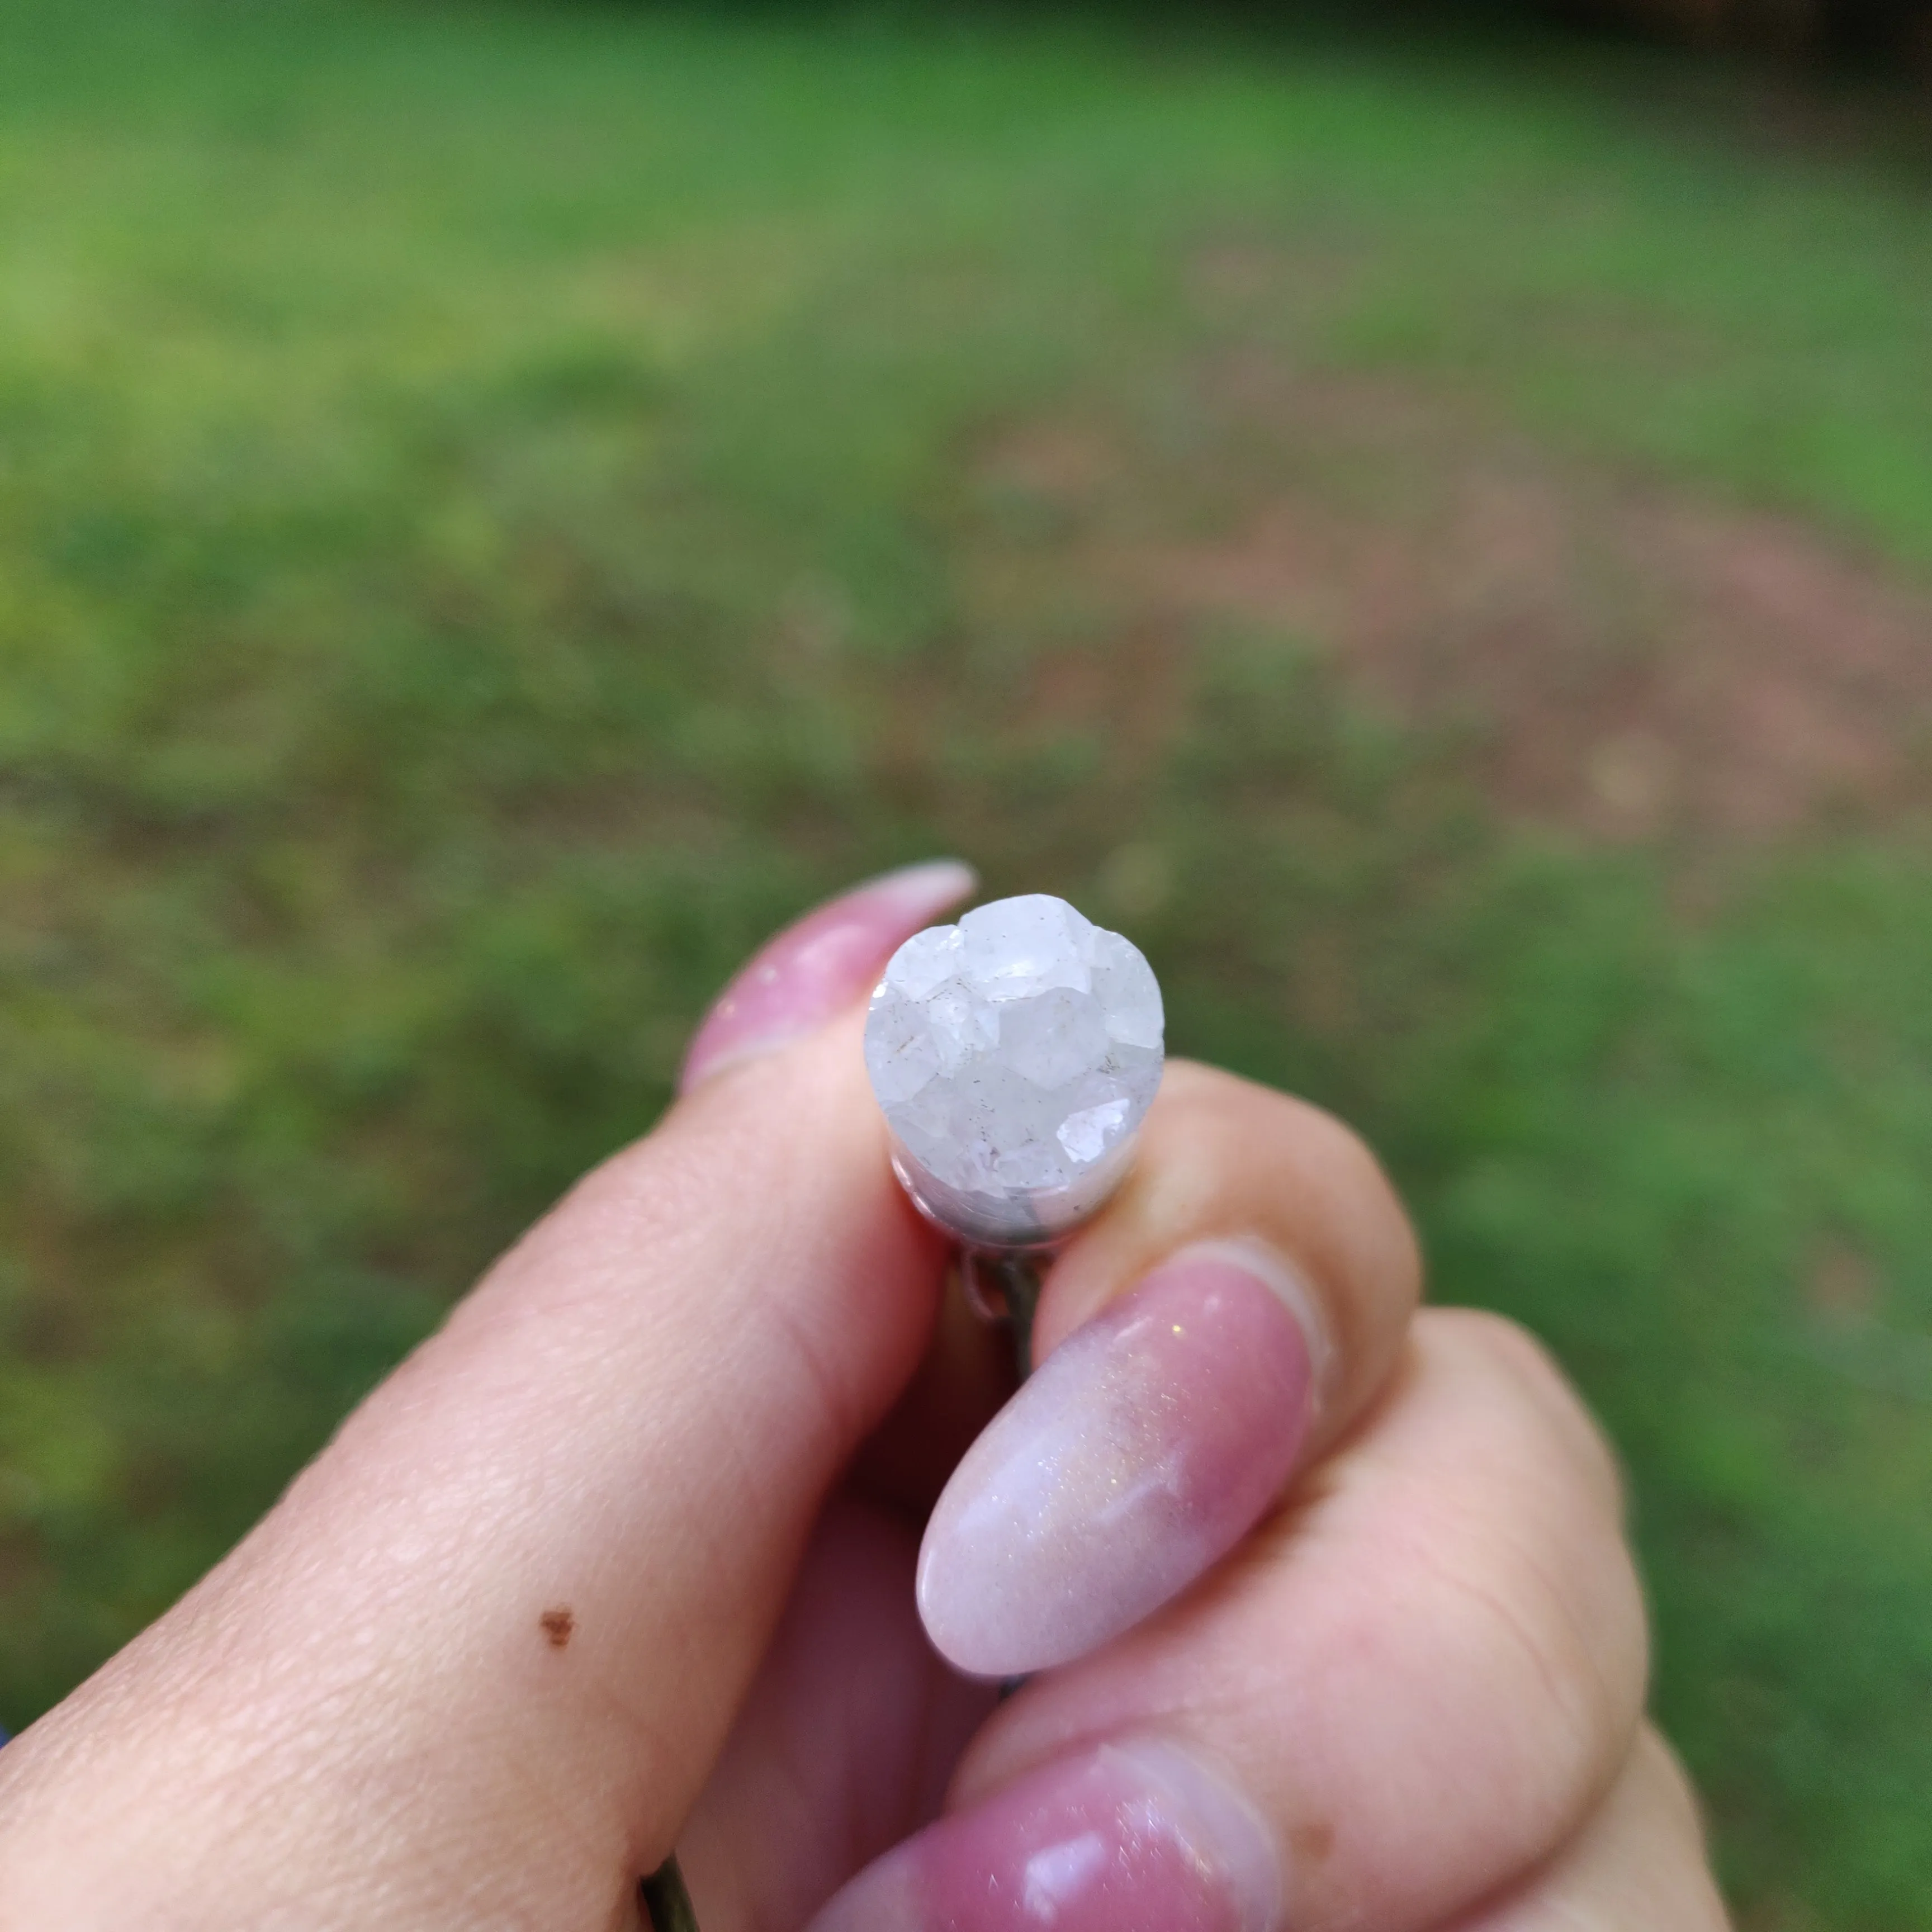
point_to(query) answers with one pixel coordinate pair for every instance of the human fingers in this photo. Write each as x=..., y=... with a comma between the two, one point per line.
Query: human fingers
x=847, y=1741
x=1406, y=1691
x=1221, y=1160
x=474, y=1667
x=1638, y=1866
x=1218, y=1325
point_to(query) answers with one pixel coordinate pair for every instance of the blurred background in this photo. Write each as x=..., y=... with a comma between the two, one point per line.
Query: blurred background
x=1426, y=524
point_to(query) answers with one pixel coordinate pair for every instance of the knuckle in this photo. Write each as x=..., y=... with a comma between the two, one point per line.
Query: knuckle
x=1675, y=1794
x=1548, y=1406
x=1561, y=1597
x=1512, y=1347
x=1551, y=1623
x=1509, y=1482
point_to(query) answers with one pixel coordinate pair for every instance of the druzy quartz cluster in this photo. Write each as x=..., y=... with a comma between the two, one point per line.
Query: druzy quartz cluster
x=1015, y=1055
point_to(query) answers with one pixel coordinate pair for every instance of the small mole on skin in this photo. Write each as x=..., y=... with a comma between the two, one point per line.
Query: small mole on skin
x=1313, y=1842
x=557, y=1626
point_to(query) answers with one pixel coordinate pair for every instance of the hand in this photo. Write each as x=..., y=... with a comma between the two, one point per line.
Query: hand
x=625, y=1557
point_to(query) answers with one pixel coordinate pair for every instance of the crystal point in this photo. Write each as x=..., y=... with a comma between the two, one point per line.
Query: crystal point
x=1015, y=1055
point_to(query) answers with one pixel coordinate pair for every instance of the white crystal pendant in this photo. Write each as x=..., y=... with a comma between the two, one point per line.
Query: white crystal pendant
x=1015, y=1055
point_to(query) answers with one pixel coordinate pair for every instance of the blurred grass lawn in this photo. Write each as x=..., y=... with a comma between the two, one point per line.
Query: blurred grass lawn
x=495, y=514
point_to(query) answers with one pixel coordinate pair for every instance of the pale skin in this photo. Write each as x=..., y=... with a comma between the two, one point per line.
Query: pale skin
x=622, y=1558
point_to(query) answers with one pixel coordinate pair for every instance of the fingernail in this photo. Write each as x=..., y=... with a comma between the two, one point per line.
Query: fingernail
x=821, y=964
x=1144, y=1447
x=1132, y=1838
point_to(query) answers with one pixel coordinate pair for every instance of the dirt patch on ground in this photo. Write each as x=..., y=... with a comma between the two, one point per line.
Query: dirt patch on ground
x=1627, y=660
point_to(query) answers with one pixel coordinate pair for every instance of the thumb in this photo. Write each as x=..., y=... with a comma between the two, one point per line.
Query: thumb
x=474, y=1667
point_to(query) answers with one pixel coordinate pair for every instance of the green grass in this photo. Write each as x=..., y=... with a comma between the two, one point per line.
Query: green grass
x=493, y=518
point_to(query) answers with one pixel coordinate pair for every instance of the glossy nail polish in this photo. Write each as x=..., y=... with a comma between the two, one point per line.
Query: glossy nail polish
x=826, y=961
x=1141, y=1451
x=1134, y=1838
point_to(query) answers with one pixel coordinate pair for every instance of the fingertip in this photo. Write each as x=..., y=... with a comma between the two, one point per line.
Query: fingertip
x=1225, y=1160
x=821, y=964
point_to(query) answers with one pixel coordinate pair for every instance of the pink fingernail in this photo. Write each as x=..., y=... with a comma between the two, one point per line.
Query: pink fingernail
x=1133, y=1838
x=1147, y=1445
x=821, y=964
